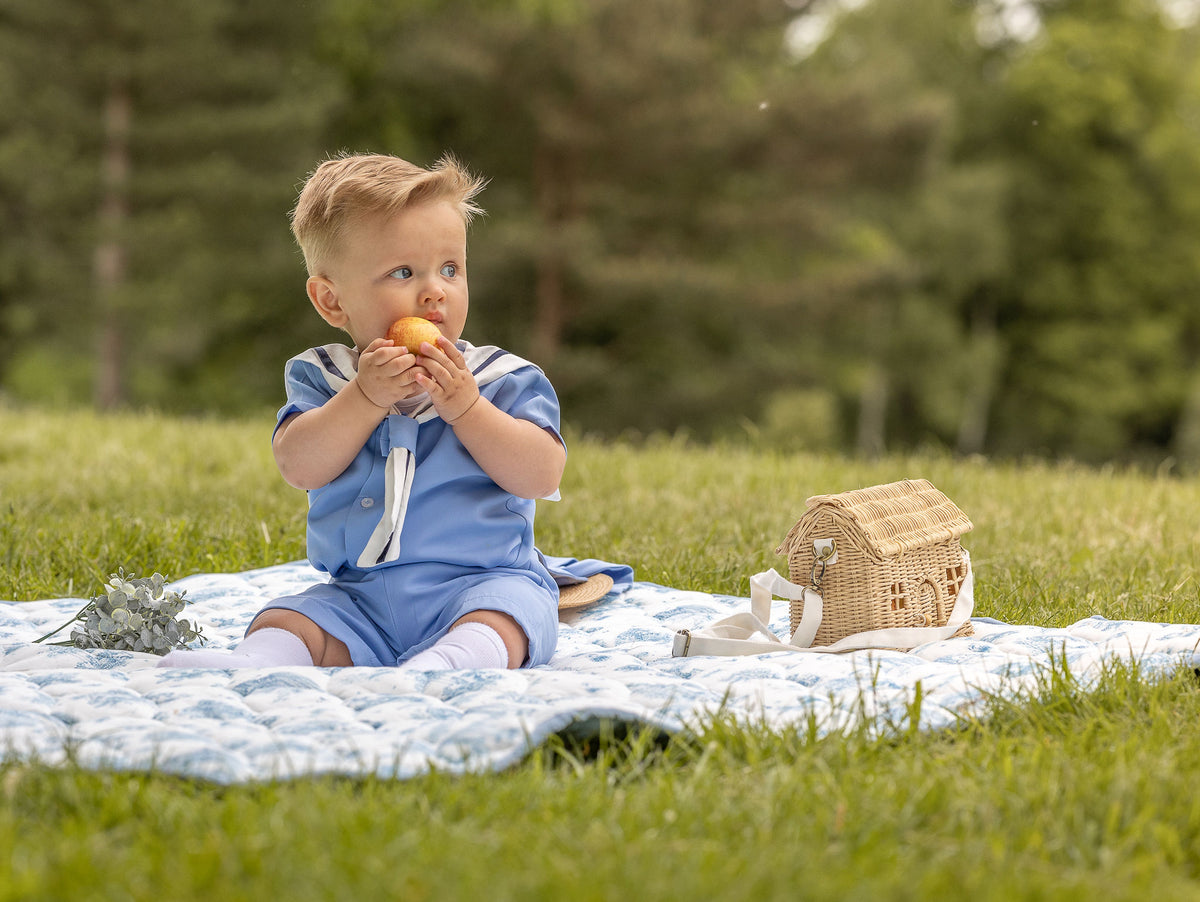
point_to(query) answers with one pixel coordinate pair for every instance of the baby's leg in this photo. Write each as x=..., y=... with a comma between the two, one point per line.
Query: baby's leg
x=277, y=638
x=262, y=648
x=516, y=643
x=324, y=649
x=479, y=640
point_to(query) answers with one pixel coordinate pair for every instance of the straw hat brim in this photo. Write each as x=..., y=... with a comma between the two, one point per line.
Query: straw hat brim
x=582, y=594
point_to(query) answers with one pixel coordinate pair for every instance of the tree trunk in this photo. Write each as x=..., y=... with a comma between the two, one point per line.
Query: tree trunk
x=1187, y=430
x=109, y=262
x=987, y=359
x=552, y=190
x=872, y=411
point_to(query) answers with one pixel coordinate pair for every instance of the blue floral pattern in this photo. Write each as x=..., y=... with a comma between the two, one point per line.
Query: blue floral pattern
x=115, y=710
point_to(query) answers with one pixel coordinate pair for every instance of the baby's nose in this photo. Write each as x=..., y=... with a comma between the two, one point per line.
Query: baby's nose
x=432, y=292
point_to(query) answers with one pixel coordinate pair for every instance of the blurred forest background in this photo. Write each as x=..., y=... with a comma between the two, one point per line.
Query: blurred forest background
x=861, y=226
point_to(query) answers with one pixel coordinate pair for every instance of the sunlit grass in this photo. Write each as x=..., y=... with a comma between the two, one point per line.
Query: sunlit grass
x=81, y=495
x=1065, y=794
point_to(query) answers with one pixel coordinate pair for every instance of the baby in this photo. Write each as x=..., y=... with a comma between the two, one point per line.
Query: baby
x=422, y=465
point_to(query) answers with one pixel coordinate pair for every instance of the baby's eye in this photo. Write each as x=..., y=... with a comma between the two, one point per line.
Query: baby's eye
x=401, y=272
x=450, y=270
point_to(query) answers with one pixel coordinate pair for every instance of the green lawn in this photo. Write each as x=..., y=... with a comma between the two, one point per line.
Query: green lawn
x=1066, y=795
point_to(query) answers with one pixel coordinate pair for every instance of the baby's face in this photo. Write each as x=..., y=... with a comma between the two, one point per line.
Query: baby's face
x=411, y=264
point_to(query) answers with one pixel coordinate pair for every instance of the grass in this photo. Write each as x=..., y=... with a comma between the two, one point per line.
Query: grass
x=1065, y=794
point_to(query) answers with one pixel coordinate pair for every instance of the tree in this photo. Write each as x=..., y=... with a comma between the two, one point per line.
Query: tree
x=922, y=228
x=1104, y=213
x=668, y=188
x=924, y=235
x=155, y=152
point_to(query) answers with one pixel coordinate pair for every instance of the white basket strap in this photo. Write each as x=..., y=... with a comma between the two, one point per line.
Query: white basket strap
x=765, y=586
x=738, y=634
x=747, y=633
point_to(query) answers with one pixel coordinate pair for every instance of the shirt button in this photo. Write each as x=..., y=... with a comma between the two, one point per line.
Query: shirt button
x=367, y=502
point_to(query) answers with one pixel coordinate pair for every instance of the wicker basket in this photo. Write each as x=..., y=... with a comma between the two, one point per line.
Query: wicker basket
x=882, y=557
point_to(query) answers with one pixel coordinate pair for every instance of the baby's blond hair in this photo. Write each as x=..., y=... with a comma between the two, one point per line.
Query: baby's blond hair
x=351, y=187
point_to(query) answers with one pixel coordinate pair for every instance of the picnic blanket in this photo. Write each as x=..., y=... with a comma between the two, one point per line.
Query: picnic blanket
x=113, y=710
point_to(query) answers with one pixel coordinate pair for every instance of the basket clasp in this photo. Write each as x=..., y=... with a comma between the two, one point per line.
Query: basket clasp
x=825, y=553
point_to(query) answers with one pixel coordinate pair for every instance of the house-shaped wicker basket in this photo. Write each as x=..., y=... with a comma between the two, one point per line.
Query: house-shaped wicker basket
x=882, y=557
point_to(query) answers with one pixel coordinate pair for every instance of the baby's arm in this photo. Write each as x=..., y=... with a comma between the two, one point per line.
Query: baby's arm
x=314, y=447
x=520, y=456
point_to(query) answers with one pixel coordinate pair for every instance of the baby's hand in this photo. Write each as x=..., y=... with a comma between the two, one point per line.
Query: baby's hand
x=387, y=374
x=444, y=374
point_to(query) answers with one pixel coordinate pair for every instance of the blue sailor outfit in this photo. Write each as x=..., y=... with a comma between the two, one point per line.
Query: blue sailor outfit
x=414, y=534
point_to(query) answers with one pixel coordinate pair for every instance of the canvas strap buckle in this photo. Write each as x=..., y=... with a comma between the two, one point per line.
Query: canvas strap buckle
x=683, y=641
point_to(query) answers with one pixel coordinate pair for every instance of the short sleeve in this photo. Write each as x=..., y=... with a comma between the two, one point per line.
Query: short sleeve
x=306, y=389
x=528, y=395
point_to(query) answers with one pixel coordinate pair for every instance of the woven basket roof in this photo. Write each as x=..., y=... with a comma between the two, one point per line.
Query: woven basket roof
x=889, y=519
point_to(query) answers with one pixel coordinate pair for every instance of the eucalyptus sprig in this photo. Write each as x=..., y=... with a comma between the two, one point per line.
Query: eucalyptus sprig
x=132, y=615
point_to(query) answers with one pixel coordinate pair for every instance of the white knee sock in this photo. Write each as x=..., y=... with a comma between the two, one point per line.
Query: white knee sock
x=468, y=647
x=267, y=647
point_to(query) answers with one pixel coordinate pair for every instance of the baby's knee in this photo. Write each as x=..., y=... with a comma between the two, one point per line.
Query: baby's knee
x=515, y=640
x=326, y=650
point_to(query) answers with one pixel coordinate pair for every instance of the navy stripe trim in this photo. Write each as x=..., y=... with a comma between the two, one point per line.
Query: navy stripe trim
x=492, y=359
x=330, y=366
x=383, y=554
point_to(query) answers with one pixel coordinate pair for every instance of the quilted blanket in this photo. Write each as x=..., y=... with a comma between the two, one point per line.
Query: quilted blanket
x=114, y=710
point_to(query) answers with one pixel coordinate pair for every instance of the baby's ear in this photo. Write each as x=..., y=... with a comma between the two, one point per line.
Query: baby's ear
x=324, y=296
